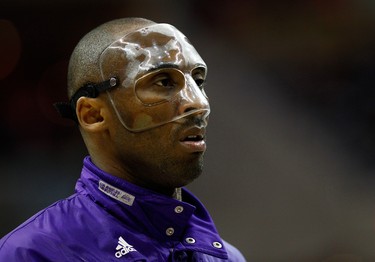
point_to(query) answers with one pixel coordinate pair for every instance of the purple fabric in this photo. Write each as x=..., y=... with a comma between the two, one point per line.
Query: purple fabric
x=109, y=219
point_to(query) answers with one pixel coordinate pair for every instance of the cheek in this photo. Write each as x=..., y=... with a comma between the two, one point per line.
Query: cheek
x=149, y=116
x=142, y=120
x=160, y=113
x=138, y=116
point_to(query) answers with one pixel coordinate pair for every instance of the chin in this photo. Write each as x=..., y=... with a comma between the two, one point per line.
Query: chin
x=179, y=173
x=190, y=173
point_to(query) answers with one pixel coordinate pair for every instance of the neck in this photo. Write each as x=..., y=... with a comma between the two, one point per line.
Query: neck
x=113, y=169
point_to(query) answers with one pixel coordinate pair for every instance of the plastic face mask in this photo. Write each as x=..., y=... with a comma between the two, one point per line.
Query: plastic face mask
x=160, y=72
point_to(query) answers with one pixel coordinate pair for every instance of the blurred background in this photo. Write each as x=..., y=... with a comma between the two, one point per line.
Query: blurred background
x=289, y=172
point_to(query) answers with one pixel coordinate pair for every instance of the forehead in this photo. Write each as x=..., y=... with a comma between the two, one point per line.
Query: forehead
x=148, y=48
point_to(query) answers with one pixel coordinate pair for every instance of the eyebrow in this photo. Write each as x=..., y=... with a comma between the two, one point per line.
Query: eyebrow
x=161, y=66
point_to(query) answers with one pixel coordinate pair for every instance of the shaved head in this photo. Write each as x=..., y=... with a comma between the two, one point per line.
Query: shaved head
x=84, y=61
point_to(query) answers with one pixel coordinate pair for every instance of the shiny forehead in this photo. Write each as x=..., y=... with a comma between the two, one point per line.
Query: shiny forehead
x=151, y=47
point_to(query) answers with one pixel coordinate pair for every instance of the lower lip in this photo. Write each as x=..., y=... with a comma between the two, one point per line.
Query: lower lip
x=194, y=146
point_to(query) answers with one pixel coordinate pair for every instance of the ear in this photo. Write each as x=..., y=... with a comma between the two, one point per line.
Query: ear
x=90, y=114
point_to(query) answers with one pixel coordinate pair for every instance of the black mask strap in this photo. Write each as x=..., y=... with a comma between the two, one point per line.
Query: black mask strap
x=68, y=109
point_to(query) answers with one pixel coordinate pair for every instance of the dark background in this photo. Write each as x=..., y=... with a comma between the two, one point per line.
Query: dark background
x=289, y=171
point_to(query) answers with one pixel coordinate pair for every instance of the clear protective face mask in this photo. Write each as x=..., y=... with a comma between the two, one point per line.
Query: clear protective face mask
x=161, y=78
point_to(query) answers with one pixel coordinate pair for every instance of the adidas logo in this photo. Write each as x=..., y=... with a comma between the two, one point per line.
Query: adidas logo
x=123, y=248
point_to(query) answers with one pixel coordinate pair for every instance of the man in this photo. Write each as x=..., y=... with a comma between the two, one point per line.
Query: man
x=136, y=92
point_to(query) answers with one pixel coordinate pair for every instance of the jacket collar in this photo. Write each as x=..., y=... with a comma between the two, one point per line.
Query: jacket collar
x=184, y=224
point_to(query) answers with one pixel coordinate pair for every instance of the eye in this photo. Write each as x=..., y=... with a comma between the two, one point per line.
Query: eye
x=200, y=81
x=199, y=76
x=165, y=82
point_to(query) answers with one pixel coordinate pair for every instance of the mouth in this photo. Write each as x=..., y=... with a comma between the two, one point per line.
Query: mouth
x=193, y=140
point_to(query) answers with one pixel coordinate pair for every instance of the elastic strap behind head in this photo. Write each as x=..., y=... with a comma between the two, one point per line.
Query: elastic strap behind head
x=68, y=109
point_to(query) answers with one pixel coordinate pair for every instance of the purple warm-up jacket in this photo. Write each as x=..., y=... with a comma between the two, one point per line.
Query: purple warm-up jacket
x=109, y=219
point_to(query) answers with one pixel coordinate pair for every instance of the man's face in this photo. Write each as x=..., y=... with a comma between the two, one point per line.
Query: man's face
x=161, y=105
x=159, y=70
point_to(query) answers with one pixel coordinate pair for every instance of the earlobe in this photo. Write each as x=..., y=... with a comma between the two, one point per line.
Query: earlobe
x=89, y=113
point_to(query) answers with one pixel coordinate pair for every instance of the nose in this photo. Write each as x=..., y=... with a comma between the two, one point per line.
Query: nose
x=192, y=97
